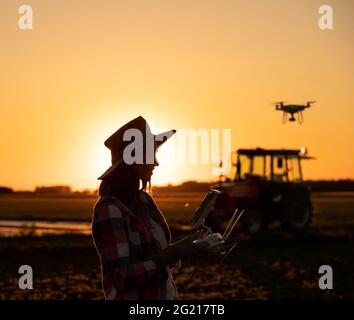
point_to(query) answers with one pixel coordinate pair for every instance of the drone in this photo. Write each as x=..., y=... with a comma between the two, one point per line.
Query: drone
x=292, y=109
x=214, y=242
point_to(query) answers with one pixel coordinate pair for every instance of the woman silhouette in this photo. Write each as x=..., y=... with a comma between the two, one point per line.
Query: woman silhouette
x=129, y=231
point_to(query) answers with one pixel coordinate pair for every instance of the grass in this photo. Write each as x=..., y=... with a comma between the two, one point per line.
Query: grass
x=275, y=266
x=79, y=208
x=331, y=210
x=45, y=207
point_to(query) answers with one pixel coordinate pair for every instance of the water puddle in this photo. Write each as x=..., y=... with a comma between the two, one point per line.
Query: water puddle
x=19, y=228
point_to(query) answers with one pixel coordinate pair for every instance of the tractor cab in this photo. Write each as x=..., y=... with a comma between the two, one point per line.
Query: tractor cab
x=269, y=185
x=277, y=165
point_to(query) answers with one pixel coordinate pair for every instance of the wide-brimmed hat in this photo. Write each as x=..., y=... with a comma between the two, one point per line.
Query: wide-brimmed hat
x=137, y=132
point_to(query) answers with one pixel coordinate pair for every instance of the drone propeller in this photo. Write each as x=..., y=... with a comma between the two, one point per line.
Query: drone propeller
x=278, y=102
x=313, y=101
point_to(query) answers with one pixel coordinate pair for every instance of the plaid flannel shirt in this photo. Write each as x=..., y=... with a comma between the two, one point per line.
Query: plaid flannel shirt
x=126, y=245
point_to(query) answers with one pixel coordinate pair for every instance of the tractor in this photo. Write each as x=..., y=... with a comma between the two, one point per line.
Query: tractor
x=268, y=185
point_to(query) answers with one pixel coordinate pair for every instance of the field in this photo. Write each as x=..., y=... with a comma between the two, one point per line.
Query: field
x=276, y=266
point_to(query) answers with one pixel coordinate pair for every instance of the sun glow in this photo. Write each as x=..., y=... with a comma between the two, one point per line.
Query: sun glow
x=67, y=87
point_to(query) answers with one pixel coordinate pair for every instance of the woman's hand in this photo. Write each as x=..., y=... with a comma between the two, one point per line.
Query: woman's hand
x=186, y=248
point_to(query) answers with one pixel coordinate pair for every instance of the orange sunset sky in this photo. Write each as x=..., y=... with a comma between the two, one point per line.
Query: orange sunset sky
x=87, y=67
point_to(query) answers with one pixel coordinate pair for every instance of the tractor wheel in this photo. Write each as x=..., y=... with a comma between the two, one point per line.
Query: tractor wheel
x=254, y=222
x=297, y=213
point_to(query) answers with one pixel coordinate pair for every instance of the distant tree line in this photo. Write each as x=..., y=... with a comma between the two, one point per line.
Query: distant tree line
x=319, y=185
x=53, y=189
x=331, y=185
x=187, y=186
x=6, y=190
x=194, y=186
x=61, y=190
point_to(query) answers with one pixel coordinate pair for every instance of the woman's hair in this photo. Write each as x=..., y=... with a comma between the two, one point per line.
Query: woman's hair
x=123, y=183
